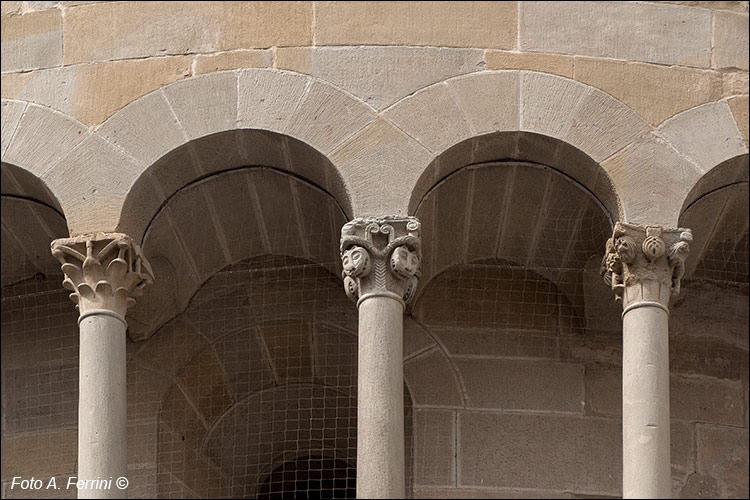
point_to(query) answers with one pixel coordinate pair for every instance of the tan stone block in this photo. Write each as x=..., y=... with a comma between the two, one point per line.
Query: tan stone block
x=734, y=83
x=432, y=381
x=730, y=44
x=740, y=6
x=32, y=41
x=574, y=453
x=10, y=8
x=434, y=448
x=723, y=455
x=508, y=384
x=268, y=99
x=43, y=454
x=556, y=64
x=739, y=107
x=49, y=87
x=293, y=59
x=11, y=115
x=432, y=117
x=697, y=398
x=608, y=29
x=489, y=101
x=236, y=59
x=112, y=30
x=654, y=92
x=439, y=24
x=707, y=135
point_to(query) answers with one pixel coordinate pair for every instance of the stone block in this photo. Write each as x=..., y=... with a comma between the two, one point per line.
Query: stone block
x=44, y=454
x=375, y=74
x=289, y=347
x=739, y=107
x=730, y=43
x=335, y=358
x=142, y=441
x=699, y=486
x=374, y=157
x=697, y=398
x=10, y=8
x=652, y=179
x=143, y=482
x=11, y=115
x=654, y=92
x=707, y=135
x=509, y=384
x=735, y=83
x=682, y=441
x=432, y=117
x=568, y=453
x=416, y=338
x=437, y=24
x=268, y=99
x=557, y=64
x=603, y=390
x=434, y=448
x=204, y=383
x=432, y=381
x=549, y=103
x=607, y=29
x=326, y=117
x=723, y=456
x=106, y=30
x=43, y=137
x=206, y=104
x=147, y=129
x=54, y=87
x=497, y=342
x=489, y=101
x=32, y=41
x=235, y=59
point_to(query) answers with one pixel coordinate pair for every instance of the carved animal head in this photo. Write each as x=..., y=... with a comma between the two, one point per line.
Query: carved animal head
x=356, y=262
x=626, y=249
x=404, y=262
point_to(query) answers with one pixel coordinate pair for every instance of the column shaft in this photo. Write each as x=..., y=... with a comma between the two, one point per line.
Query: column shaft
x=645, y=404
x=380, y=417
x=102, y=405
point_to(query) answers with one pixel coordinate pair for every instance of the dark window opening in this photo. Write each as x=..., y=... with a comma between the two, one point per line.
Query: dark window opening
x=311, y=477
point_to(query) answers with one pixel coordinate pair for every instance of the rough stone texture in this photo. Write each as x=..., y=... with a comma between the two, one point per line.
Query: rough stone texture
x=374, y=73
x=11, y=115
x=723, y=456
x=522, y=384
x=489, y=101
x=10, y=8
x=32, y=41
x=112, y=30
x=556, y=64
x=734, y=83
x=739, y=107
x=446, y=24
x=43, y=454
x=432, y=381
x=605, y=29
x=435, y=448
x=730, y=44
x=497, y=343
x=236, y=59
x=436, y=492
x=268, y=99
x=206, y=104
x=603, y=389
x=653, y=91
x=707, y=135
x=698, y=398
x=580, y=453
x=93, y=92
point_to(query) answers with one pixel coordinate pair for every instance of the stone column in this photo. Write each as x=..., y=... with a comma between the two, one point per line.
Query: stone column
x=644, y=266
x=104, y=271
x=381, y=265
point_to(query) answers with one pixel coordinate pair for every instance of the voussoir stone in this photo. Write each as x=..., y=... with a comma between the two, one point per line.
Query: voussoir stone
x=730, y=46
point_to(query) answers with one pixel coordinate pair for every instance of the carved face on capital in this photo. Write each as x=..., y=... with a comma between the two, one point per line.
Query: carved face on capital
x=626, y=249
x=404, y=262
x=356, y=262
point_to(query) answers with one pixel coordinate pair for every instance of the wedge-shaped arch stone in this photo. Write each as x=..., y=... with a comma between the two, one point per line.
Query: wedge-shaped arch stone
x=707, y=135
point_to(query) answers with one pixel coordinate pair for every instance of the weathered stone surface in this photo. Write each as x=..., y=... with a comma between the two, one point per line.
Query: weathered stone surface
x=557, y=64
x=432, y=117
x=11, y=8
x=682, y=441
x=606, y=29
x=416, y=338
x=268, y=99
x=497, y=342
x=111, y=30
x=42, y=138
x=44, y=454
x=650, y=197
x=507, y=384
x=206, y=104
x=700, y=486
x=437, y=492
x=739, y=107
x=489, y=101
x=698, y=398
x=707, y=135
x=49, y=87
x=734, y=83
x=432, y=381
x=236, y=59
x=730, y=43
x=434, y=448
x=723, y=456
x=374, y=74
x=439, y=24
x=578, y=453
x=11, y=115
x=32, y=41
x=603, y=390
x=653, y=91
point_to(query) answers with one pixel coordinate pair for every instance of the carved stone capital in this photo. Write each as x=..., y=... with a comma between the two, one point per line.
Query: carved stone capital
x=645, y=263
x=103, y=270
x=381, y=256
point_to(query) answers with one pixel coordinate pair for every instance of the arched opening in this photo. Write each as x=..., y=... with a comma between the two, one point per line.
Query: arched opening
x=310, y=477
